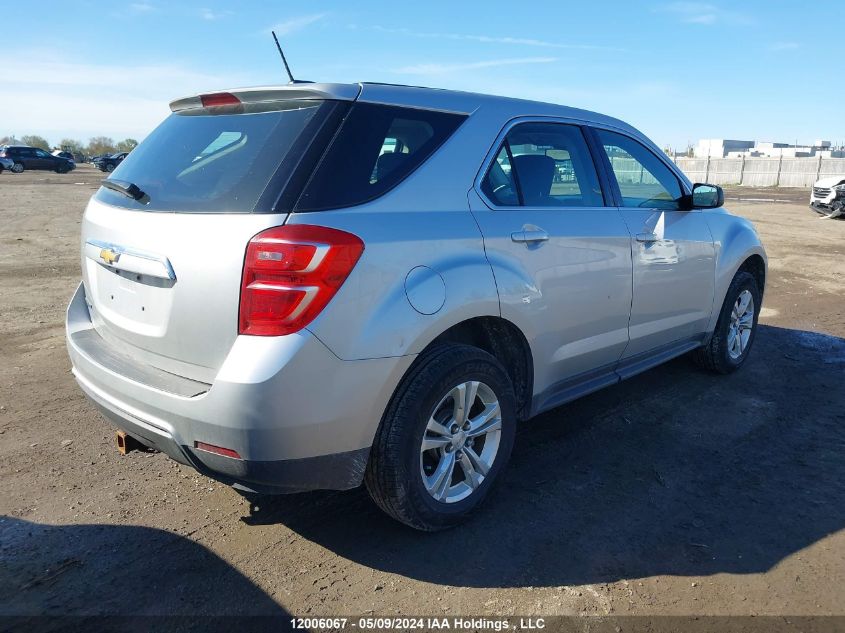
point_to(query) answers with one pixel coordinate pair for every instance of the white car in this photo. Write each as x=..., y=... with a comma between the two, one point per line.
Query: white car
x=828, y=196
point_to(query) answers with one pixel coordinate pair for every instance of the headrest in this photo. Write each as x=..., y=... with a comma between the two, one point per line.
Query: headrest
x=536, y=173
x=386, y=163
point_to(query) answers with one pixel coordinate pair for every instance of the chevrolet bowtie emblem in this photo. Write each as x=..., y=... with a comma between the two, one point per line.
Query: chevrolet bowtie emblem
x=109, y=256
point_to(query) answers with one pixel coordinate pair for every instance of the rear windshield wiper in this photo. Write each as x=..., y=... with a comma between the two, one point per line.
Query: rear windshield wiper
x=128, y=189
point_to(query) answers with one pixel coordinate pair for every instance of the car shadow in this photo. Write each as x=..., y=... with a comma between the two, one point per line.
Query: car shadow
x=676, y=471
x=122, y=578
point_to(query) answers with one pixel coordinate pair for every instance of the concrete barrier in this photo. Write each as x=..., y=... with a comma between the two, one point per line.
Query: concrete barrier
x=761, y=172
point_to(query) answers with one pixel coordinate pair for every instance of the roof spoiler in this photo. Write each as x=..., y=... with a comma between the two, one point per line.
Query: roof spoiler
x=269, y=94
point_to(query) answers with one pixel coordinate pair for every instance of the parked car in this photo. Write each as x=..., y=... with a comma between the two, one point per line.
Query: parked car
x=109, y=162
x=319, y=285
x=24, y=157
x=63, y=154
x=828, y=196
x=6, y=163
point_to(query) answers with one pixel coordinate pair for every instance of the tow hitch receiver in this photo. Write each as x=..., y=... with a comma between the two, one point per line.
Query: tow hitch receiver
x=126, y=443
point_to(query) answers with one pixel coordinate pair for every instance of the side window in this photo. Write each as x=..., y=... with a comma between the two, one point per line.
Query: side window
x=644, y=180
x=551, y=167
x=498, y=185
x=376, y=148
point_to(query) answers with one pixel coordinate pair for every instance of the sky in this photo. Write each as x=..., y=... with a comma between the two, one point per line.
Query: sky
x=764, y=70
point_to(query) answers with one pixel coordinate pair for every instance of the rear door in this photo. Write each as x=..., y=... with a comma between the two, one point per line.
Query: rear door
x=28, y=157
x=162, y=268
x=672, y=249
x=560, y=254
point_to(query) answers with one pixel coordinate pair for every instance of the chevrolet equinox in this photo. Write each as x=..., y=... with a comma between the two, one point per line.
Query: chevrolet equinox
x=315, y=286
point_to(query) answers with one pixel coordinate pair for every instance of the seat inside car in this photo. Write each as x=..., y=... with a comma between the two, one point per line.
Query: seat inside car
x=386, y=163
x=536, y=173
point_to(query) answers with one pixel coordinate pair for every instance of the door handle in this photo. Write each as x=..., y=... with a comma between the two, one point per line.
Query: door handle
x=647, y=237
x=531, y=235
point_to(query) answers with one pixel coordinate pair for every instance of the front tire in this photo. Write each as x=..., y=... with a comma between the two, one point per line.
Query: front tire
x=17, y=168
x=731, y=342
x=109, y=168
x=445, y=437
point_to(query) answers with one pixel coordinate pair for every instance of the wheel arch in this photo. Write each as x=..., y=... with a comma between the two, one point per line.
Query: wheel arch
x=504, y=341
x=738, y=248
x=756, y=265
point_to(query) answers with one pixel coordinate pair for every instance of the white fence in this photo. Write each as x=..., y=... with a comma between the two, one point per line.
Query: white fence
x=761, y=172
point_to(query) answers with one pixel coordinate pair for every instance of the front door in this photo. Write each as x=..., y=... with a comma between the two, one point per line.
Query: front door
x=672, y=250
x=561, y=256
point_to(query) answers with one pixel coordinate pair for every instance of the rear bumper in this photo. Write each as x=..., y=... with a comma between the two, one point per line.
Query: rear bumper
x=300, y=418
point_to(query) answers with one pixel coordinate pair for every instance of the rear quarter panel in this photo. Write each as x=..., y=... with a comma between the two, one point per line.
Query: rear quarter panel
x=425, y=221
x=371, y=316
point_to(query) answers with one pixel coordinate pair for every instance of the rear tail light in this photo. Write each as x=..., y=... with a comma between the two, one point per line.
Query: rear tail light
x=290, y=274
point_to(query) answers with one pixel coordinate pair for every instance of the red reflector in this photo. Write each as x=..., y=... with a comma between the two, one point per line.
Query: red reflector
x=219, y=99
x=290, y=274
x=219, y=450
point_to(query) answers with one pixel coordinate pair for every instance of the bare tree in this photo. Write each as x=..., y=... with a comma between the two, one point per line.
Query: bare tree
x=33, y=140
x=127, y=145
x=101, y=145
x=72, y=145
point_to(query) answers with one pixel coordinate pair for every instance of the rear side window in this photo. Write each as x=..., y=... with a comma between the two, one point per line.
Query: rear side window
x=221, y=163
x=376, y=148
x=543, y=165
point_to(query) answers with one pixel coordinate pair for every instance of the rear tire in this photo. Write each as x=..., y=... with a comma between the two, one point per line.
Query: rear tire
x=729, y=346
x=434, y=460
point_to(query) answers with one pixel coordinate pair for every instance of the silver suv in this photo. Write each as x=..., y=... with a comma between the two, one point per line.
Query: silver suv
x=318, y=285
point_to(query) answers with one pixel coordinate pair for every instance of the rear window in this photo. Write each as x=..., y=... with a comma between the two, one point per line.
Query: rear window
x=220, y=163
x=376, y=148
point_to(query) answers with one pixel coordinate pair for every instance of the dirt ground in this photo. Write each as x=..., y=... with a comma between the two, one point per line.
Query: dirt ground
x=675, y=493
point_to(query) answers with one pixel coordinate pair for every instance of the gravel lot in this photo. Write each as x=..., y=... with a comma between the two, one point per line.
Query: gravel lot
x=675, y=493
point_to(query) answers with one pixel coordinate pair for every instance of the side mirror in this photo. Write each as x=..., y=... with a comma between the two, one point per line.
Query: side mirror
x=705, y=196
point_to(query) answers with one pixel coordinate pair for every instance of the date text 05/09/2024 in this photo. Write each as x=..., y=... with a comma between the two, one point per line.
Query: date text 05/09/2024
x=407, y=623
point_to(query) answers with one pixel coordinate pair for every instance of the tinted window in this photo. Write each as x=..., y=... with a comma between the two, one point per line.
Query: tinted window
x=644, y=180
x=551, y=167
x=200, y=162
x=376, y=148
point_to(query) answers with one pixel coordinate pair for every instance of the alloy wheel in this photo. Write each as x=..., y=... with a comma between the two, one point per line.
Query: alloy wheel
x=742, y=322
x=460, y=442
